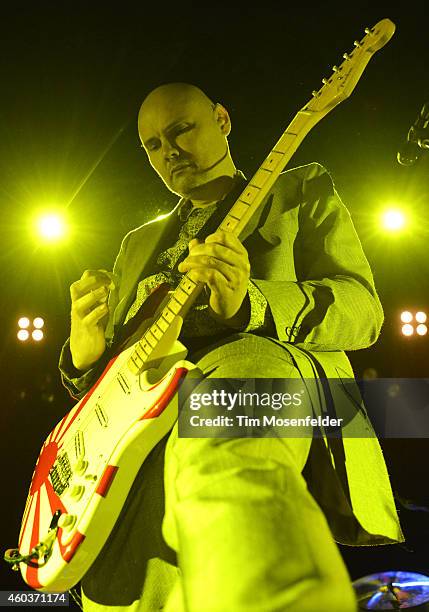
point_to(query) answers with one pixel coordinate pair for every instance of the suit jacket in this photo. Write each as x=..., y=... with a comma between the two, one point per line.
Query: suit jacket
x=307, y=261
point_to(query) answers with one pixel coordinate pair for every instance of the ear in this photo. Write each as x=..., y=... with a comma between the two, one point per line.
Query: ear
x=222, y=118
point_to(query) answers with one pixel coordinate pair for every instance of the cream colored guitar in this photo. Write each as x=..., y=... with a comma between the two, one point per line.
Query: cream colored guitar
x=88, y=463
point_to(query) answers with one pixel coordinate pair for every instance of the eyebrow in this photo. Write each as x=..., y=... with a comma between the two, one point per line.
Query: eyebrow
x=169, y=127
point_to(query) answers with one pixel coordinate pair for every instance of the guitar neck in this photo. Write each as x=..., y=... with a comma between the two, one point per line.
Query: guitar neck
x=335, y=89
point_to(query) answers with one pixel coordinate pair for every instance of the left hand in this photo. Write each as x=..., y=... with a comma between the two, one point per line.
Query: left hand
x=222, y=263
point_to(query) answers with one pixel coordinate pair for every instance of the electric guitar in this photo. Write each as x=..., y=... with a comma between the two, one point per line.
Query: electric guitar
x=89, y=461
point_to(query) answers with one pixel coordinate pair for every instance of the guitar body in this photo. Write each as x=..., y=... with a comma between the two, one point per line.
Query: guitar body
x=88, y=463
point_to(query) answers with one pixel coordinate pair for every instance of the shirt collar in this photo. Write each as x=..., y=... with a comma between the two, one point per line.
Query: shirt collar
x=185, y=206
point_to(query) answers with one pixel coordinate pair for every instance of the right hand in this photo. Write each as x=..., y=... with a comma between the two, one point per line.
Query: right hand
x=89, y=316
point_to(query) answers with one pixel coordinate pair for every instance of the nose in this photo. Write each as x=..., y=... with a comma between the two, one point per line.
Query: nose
x=169, y=149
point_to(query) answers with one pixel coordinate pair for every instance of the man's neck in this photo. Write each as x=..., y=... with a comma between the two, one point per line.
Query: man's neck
x=214, y=191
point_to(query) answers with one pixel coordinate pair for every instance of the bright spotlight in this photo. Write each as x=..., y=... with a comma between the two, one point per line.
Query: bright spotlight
x=393, y=220
x=421, y=329
x=24, y=322
x=51, y=226
x=421, y=317
x=23, y=335
x=38, y=323
x=37, y=335
x=406, y=317
x=407, y=330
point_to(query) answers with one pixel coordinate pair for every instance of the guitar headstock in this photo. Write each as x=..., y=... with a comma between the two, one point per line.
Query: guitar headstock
x=345, y=76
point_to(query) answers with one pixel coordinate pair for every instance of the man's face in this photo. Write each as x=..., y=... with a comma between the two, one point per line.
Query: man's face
x=184, y=137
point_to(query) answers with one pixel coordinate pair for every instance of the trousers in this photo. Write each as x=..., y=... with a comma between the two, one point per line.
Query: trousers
x=223, y=525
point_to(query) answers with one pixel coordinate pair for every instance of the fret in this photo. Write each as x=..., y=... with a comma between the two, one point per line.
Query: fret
x=273, y=160
x=240, y=208
x=187, y=285
x=179, y=294
x=141, y=354
x=162, y=323
x=168, y=314
x=286, y=141
x=136, y=358
x=229, y=223
x=156, y=331
x=150, y=338
x=260, y=178
x=249, y=194
x=174, y=306
x=145, y=346
x=133, y=361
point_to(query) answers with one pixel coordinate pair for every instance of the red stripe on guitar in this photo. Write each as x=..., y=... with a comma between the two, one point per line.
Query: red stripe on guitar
x=85, y=399
x=106, y=480
x=72, y=546
x=44, y=464
x=166, y=396
x=63, y=425
x=67, y=550
x=54, y=501
x=32, y=572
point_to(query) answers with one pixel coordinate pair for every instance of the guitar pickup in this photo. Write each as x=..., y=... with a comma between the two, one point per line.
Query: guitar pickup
x=125, y=386
x=79, y=446
x=101, y=415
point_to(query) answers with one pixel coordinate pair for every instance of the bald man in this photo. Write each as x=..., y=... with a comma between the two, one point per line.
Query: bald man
x=238, y=525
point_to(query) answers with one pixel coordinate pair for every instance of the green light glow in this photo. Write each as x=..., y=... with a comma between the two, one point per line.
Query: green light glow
x=393, y=219
x=51, y=226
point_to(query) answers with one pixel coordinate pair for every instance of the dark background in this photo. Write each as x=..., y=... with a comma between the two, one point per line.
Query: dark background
x=72, y=79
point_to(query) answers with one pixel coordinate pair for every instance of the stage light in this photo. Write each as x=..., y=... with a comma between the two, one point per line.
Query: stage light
x=24, y=322
x=28, y=330
x=393, y=220
x=407, y=329
x=421, y=317
x=37, y=335
x=406, y=317
x=421, y=329
x=51, y=226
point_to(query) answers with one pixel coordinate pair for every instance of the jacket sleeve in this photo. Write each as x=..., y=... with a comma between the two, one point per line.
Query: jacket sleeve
x=333, y=304
x=78, y=383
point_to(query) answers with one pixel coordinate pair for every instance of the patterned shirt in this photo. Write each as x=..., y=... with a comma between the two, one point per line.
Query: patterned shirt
x=198, y=322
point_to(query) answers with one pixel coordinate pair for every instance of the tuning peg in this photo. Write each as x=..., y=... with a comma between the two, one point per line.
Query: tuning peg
x=335, y=68
x=346, y=56
x=357, y=43
x=324, y=81
x=314, y=93
x=368, y=31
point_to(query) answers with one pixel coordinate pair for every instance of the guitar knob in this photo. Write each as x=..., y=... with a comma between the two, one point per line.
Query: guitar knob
x=66, y=521
x=81, y=467
x=76, y=492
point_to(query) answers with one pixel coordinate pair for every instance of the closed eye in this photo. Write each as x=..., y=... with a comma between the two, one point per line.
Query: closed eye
x=153, y=144
x=181, y=129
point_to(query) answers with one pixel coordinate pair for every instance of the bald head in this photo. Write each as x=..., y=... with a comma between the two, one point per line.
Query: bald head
x=174, y=94
x=185, y=136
